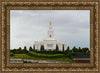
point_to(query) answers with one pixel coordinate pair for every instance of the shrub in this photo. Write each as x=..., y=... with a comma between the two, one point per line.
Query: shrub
x=11, y=54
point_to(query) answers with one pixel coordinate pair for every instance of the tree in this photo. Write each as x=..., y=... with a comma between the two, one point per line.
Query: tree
x=57, y=48
x=74, y=49
x=88, y=51
x=63, y=47
x=69, y=55
x=79, y=49
x=42, y=48
x=30, y=49
x=25, y=49
x=33, y=47
x=19, y=50
x=67, y=49
x=11, y=54
x=84, y=50
x=13, y=51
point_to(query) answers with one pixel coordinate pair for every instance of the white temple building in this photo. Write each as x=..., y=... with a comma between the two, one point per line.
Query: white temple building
x=50, y=43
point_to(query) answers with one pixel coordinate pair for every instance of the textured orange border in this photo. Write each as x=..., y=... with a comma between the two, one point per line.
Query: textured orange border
x=54, y=4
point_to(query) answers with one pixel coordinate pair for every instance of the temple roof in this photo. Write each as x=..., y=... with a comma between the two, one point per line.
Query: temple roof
x=50, y=39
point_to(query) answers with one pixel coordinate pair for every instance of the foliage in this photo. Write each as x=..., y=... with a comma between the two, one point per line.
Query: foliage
x=33, y=47
x=57, y=48
x=67, y=49
x=30, y=49
x=85, y=50
x=42, y=48
x=63, y=47
x=54, y=54
x=25, y=56
x=79, y=49
x=45, y=55
x=25, y=50
x=74, y=49
x=11, y=54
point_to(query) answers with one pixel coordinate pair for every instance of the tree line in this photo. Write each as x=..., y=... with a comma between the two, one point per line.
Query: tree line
x=42, y=50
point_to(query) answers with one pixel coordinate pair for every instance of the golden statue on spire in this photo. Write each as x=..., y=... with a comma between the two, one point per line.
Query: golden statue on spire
x=50, y=23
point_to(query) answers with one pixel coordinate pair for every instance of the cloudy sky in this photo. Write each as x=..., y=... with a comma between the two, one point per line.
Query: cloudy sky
x=27, y=26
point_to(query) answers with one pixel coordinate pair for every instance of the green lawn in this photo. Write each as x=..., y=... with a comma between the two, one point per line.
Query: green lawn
x=39, y=56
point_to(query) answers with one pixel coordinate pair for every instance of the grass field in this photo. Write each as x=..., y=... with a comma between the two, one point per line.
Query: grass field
x=38, y=56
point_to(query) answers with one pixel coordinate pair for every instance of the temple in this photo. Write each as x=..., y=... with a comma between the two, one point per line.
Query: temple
x=50, y=42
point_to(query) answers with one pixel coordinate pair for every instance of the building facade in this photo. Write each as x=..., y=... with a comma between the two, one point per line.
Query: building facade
x=82, y=58
x=50, y=43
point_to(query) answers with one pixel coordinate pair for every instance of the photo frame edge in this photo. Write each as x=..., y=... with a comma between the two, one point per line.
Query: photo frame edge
x=87, y=69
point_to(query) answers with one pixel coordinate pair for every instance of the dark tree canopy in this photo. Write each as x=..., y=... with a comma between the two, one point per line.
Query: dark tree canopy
x=85, y=49
x=42, y=48
x=30, y=48
x=57, y=48
x=20, y=49
x=63, y=48
x=68, y=52
x=68, y=49
x=33, y=47
x=75, y=49
x=25, y=49
x=79, y=49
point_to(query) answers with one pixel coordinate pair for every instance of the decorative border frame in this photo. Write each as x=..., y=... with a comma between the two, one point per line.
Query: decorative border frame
x=92, y=6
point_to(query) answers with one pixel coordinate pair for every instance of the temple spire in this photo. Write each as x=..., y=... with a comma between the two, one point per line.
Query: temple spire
x=50, y=32
x=50, y=23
